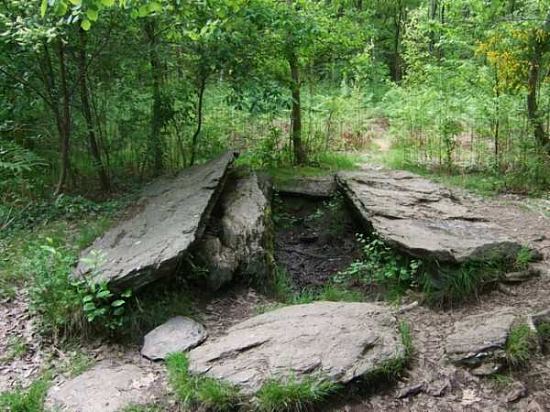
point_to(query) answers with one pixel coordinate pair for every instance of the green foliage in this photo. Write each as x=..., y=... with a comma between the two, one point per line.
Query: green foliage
x=293, y=395
x=381, y=267
x=52, y=293
x=200, y=391
x=67, y=306
x=520, y=345
x=523, y=258
x=15, y=349
x=30, y=399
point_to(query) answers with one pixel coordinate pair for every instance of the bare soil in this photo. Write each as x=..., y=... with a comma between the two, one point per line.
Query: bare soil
x=314, y=239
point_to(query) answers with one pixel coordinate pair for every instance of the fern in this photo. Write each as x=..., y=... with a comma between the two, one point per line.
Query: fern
x=16, y=160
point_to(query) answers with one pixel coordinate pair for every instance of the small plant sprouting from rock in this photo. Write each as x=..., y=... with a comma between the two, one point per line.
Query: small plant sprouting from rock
x=293, y=395
x=200, y=391
x=520, y=345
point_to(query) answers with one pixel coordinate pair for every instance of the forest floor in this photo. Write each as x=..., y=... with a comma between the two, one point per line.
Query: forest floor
x=311, y=252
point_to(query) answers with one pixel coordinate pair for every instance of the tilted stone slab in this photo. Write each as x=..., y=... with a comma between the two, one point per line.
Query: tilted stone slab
x=422, y=218
x=171, y=217
x=177, y=334
x=479, y=340
x=104, y=388
x=331, y=340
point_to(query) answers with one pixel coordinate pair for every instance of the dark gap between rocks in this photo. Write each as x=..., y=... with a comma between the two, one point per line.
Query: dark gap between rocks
x=315, y=238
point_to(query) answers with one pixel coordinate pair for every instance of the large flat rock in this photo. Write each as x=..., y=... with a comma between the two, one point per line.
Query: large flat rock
x=332, y=340
x=104, y=388
x=422, y=218
x=171, y=217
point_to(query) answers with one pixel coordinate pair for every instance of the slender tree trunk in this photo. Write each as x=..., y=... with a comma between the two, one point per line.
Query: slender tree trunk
x=87, y=112
x=156, y=146
x=195, y=139
x=535, y=119
x=296, y=110
x=64, y=123
x=398, y=18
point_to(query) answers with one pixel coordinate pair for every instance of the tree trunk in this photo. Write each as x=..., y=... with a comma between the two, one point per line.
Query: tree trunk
x=64, y=119
x=296, y=110
x=156, y=146
x=87, y=112
x=535, y=119
x=195, y=139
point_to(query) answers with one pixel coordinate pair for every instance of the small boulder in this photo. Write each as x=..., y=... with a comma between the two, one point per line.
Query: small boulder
x=333, y=340
x=178, y=334
x=478, y=341
x=104, y=388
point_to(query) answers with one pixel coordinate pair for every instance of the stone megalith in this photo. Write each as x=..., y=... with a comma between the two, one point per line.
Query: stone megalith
x=170, y=218
x=242, y=242
x=423, y=219
x=329, y=340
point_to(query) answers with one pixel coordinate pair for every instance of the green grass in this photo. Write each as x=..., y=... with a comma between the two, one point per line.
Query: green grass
x=200, y=391
x=16, y=348
x=293, y=395
x=486, y=182
x=30, y=399
x=520, y=345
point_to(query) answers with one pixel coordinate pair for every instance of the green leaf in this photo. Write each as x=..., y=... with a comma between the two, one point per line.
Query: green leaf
x=43, y=7
x=87, y=298
x=102, y=294
x=107, y=3
x=85, y=24
x=127, y=293
x=92, y=14
x=117, y=303
x=88, y=307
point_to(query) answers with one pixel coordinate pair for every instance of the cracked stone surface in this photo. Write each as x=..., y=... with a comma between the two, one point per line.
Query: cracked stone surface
x=422, y=218
x=106, y=387
x=171, y=217
x=177, y=334
x=334, y=340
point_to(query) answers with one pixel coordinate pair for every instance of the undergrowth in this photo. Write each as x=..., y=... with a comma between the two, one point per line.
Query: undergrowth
x=30, y=399
x=196, y=391
x=293, y=395
x=520, y=346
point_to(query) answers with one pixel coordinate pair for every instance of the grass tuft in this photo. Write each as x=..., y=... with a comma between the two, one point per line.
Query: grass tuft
x=30, y=399
x=200, y=391
x=293, y=395
x=520, y=345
